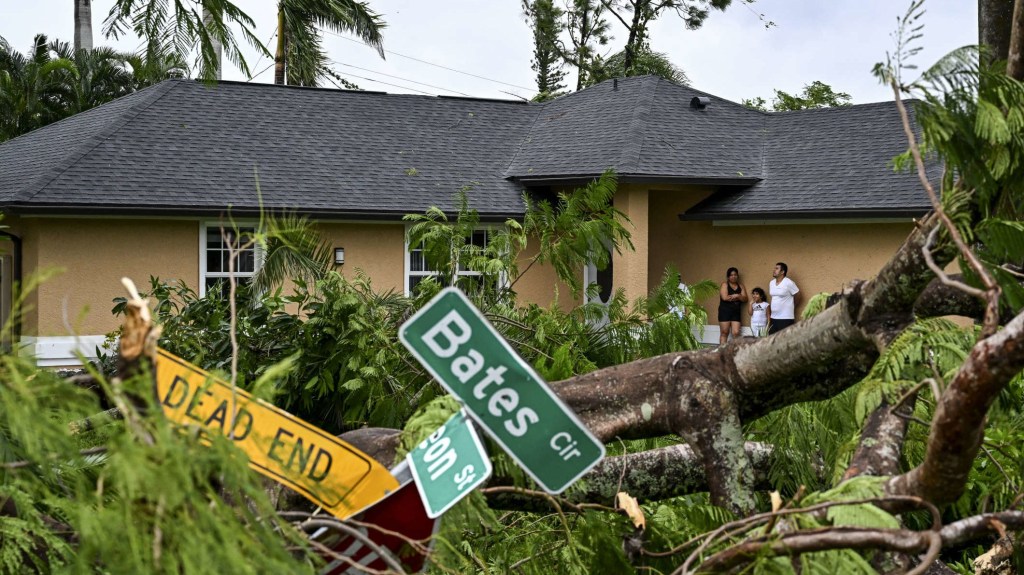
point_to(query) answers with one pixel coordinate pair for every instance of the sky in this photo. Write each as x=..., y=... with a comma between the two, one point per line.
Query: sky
x=483, y=48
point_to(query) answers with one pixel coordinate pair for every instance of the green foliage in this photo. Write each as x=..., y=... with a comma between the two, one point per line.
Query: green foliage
x=34, y=90
x=815, y=305
x=579, y=228
x=587, y=29
x=645, y=62
x=300, y=42
x=292, y=249
x=637, y=15
x=817, y=94
x=172, y=30
x=545, y=18
x=53, y=81
x=156, y=499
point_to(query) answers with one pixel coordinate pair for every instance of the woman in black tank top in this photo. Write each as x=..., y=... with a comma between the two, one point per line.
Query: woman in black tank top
x=732, y=294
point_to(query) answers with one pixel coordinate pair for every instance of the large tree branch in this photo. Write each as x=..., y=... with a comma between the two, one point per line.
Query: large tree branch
x=940, y=299
x=959, y=422
x=705, y=395
x=651, y=475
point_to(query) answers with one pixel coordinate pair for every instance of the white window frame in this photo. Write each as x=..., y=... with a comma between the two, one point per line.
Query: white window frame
x=409, y=273
x=204, y=275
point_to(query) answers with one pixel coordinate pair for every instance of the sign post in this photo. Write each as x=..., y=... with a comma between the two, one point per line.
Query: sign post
x=511, y=402
x=449, y=464
x=327, y=470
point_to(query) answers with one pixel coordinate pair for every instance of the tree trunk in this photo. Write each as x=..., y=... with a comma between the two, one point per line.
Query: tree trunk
x=218, y=49
x=632, y=43
x=1015, y=53
x=994, y=26
x=282, y=47
x=83, y=25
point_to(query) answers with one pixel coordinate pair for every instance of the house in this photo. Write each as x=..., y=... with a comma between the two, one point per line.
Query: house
x=138, y=187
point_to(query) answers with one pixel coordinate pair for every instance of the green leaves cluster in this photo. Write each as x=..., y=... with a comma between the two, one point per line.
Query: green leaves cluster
x=817, y=94
x=154, y=499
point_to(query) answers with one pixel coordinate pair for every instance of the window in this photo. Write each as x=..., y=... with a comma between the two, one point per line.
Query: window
x=603, y=278
x=214, y=257
x=417, y=268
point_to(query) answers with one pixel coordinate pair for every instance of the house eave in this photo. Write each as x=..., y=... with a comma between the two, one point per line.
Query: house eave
x=580, y=179
x=858, y=213
x=218, y=211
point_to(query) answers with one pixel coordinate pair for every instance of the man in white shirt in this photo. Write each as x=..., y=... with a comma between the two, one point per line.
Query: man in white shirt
x=782, y=290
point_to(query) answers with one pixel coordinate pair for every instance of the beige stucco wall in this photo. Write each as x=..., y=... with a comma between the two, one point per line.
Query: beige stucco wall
x=631, y=269
x=378, y=250
x=540, y=284
x=95, y=253
x=821, y=257
x=92, y=255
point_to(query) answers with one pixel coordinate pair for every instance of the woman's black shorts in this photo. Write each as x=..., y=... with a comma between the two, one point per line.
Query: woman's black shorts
x=728, y=311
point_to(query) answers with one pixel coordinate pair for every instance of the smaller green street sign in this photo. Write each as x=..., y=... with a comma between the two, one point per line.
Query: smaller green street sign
x=449, y=464
x=467, y=356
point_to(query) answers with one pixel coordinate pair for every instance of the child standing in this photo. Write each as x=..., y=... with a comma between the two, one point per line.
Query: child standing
x=760, y=311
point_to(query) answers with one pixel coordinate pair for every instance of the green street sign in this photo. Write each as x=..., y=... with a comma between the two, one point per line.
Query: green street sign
x=511, y=402
x=449, y=464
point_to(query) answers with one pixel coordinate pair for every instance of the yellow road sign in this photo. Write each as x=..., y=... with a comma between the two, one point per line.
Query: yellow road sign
x=330, y=472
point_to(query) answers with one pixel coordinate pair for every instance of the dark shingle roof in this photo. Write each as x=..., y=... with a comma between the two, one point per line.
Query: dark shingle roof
x=186, y=147
x=834, y=162
x=642, y=127
x=191, y=146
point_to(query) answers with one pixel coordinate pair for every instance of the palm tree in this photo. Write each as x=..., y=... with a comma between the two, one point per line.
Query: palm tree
x=83, y=24
x=300, y=58
x=184, y=25
x=645, y=62
x=34, y=88
x=101, y=75
x=152, y=66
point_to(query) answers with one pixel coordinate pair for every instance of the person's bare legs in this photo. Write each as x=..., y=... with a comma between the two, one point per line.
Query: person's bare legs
x=723, y=331
x=725, y=328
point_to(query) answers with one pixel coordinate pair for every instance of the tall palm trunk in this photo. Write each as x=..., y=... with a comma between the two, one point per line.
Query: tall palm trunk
x=282, y=47
x=83, y=25
x=218, y=49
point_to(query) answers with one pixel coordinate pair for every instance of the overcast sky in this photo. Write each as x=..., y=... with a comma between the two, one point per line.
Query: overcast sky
x=482, y=48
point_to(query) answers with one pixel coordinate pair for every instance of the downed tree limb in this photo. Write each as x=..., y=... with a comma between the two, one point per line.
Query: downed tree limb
x=896, y=540
x=939, y=299
x=652, y=475
x=706, y=395
x=881, y=445
x=959, y=422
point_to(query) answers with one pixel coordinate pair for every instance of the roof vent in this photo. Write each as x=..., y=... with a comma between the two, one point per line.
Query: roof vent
x=700, y=102
x=615, y=84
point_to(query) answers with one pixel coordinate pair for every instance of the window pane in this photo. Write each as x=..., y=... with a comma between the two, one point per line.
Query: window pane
x=213, y=261
x=213, y=239
x=416, y=262
x=480, y=238
x=247, y=261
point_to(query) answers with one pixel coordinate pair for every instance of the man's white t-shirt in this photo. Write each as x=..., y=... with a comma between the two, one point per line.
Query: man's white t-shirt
x=782, y=298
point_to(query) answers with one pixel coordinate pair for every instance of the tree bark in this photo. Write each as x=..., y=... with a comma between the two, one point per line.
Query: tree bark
x=959, y=422
x=881, y=445
x=281, y=55
x=83, y=25
x=706, y=395
x=218, y=49
x=1015, y=52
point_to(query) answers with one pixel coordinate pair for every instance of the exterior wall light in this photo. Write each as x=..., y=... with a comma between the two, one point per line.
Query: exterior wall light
x=339, y=256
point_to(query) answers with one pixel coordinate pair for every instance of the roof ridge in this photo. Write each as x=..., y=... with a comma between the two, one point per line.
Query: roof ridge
x=632, y=149
x=158, y=91
x=844, y=107
x=527, y=137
